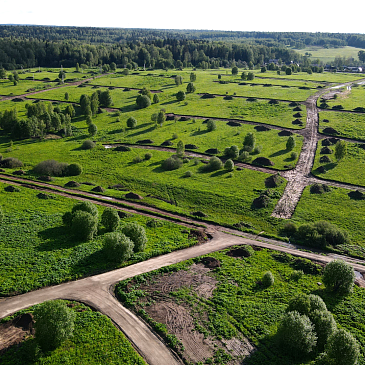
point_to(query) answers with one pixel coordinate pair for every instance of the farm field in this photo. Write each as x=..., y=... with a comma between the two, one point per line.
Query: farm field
x=216, y=309
x=327, y=55
x=95, y=340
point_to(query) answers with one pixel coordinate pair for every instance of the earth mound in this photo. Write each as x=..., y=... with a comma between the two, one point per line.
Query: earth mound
x=263, y=161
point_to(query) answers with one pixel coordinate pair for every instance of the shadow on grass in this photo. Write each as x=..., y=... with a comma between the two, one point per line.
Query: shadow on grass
x=279, y=153
x=170, y=102
x=199, y=133
x=150, y=129
x=57, y=238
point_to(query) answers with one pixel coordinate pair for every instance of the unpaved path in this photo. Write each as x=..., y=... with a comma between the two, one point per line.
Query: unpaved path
x=96, y=291
x=300, y=176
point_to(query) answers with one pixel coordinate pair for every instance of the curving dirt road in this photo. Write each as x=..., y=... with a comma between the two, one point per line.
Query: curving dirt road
x=97, y=292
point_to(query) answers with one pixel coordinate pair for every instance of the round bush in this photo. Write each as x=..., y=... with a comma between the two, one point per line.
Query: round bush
x=54, y=323
x=86, y=207
x=137, y=234
x=92, y=129
x=148, y=156
x=118, y=247
x=268, y=279
x=324, y=325
x=131, y=122
x=214, y=164
x=88, y=145
x=67, y=219
x=296, y=333
x=342, y=348
x=11, y=162
x=74, y=169
x=172, y=163
x=339, y=276
x=84, y=225
x=143, y=101
x=110, y=219
x=211, y=125
x=180, y=96
x=229, y=165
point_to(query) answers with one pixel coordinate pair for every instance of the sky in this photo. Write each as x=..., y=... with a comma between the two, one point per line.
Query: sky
x=263, y=15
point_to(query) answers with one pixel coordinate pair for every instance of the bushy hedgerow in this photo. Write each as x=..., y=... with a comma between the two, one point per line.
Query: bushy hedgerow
x=11, y=162
x=55, y=168
x=321, y=234
x=172, y=163
x=137, y=234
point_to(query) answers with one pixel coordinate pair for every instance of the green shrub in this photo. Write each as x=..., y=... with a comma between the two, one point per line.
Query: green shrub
x=342, y=348
x=231, y=152
x=110, y=219
x=188, y=174
x=118, y=247
x=148, y=156
x=321, y=234
x=214, y=164
x=137, y=159
x=293, y=155
x=211, y=125
x=172, y=163
x=84, y=225
x=180, y=96
x=229, y=165
x=297, y=275
x=73, y=169
x=11, y=162
x=268, y=279
x=51, y=168
x=86, y=207
x=67, y=219
x=143, y=101
x=296, y=334
x=54, y=323
x=137, y=234
x=88, y=145
x=324, y=325
x=339, y=276
x=92, y=129
x=131, y=122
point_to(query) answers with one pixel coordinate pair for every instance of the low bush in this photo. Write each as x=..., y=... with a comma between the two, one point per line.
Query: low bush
x=110, y=219
x=118, y=247
x=137, y=234
x=84, y=225
x=268, y=279
x=172, y=163
x=88, y=145
x=11, y=162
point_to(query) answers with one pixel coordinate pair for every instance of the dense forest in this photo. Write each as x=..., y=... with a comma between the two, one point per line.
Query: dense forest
x=45, y=46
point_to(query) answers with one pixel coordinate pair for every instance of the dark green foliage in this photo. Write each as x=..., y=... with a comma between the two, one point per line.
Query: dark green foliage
x=88, y=145
x=180, y=96
x=342, y=348
x=192, y=77
x=172, y=163
x=324, y=325
x=215, y=163
x=85, y=104
x=296, y=334
x=249, y=142
x=11, y=162
x=54, y=323
x=321, y=234
x=118, y=247
x=290, y=144
x=340, y=150
x=229, y=165
x=147, y=156
x=339, y=276
x=137, y=234
x=234, y=70
x=51, y=168
x=110, y=219
x=231, y=152
x=86, y=206
x=67, y=219
x=143, y=101
x=84, y=225
x=211, y=125
x=156, y=99
x=73, y=169
x=268, y=279
x=105, y=99
x=131, y=122
x=1, y=214
x=190, y=88
x=92, y=129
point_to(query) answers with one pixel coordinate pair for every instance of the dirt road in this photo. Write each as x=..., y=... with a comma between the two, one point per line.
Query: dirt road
x=97, y=292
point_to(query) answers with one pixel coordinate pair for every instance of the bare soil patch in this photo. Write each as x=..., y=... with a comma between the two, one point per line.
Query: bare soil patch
x=14, y=332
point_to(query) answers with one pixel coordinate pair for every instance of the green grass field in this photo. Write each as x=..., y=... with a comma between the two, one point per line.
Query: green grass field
x=38, y=250
x=95, y=341
x=349, y=98
x=350, y=125
x=327, y=55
